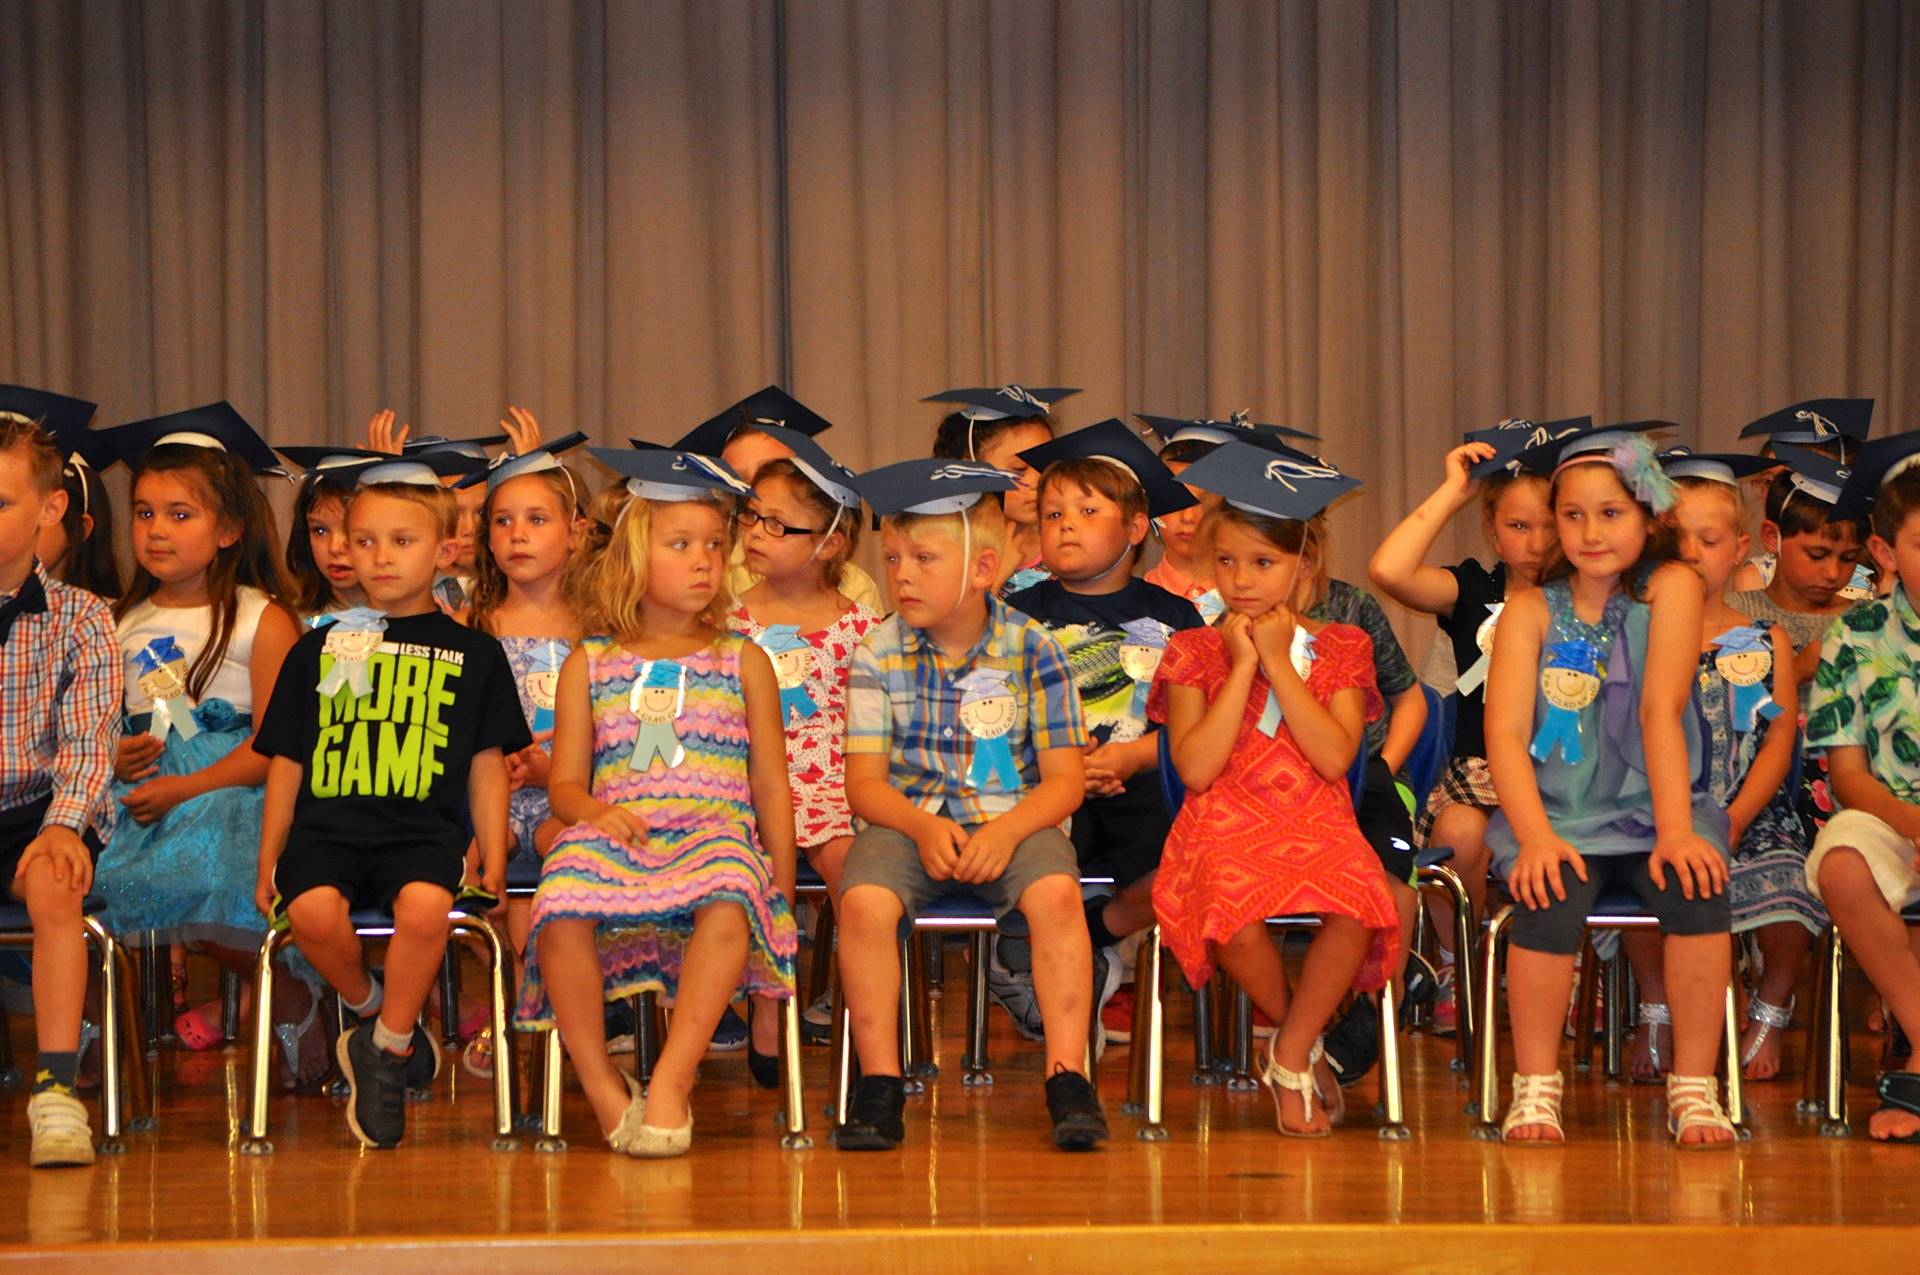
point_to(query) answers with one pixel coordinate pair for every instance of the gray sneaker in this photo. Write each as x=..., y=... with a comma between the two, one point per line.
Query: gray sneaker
x=1010, y=984
x=376, y=1089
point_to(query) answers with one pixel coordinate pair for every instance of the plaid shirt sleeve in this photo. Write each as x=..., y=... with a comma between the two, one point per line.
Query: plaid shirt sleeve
x=869, y=708
x=86, y=723
x=1054, y=715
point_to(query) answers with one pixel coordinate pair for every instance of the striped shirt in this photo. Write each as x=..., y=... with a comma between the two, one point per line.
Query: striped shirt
x=903, y=700
x=60, y=708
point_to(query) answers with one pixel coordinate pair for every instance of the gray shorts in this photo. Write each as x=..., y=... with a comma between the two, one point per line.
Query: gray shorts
x=889, y=859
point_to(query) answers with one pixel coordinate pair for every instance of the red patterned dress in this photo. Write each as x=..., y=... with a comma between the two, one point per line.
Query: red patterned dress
x=1270, y=837
x=813, y=707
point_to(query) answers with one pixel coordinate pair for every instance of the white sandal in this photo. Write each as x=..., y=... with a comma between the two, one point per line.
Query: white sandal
x=623, y=1135
x=1693, y=1102
x=1284, y=1079
x=1536, y=1102
x=1653, y=1015
x=1771, y=1018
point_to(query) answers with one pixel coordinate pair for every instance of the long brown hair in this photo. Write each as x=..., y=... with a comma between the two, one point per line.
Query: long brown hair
x=307, y=585
x=825, y=510
x=1663, y=544
x=235, y=500
x=489, y=581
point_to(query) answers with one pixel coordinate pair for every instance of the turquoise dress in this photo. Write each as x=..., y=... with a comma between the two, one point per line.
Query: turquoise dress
x=1599, y=803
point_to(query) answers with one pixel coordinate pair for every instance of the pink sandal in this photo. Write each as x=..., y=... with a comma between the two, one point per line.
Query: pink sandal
x=193, y=1029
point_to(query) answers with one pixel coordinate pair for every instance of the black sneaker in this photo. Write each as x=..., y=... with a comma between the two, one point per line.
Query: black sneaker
x=1078, y=1122
x=1353, y=1043
x=423, y=1063
x=376, y=1089
x=875, y=1115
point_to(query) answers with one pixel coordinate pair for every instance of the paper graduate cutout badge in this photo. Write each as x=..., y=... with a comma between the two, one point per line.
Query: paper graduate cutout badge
x=1303, y=656
x=1025, y=578
x=543, y=678
x=1476, y=673
x=1569, y=682
x=356, y=634
x=792, y=657
x=1145, y=641
x=990, y=711
x=659, y=693
x=163, y=680
x=1210, y=605
x=1746, y=662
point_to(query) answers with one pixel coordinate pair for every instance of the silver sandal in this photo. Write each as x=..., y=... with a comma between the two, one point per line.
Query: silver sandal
x=1653, y=1014
x=1770, y=1018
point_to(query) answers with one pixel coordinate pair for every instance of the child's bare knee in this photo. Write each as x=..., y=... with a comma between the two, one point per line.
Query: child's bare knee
x=320, y=913
x=1052, y=901
x=49, y=901
x=869, y=910
x=1844, y=874
x=420, y=913
x=722, y=921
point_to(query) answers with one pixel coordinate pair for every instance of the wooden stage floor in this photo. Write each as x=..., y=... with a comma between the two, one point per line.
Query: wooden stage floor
x=975, y=1187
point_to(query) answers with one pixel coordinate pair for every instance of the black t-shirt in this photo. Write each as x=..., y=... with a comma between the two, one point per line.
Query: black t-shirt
x=1091, y=628
x=1479, y=590
x=390, y=767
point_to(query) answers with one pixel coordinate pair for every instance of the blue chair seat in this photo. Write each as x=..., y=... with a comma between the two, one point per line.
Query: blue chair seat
x=805, y=878
x=523, y=876
x=1433, y=857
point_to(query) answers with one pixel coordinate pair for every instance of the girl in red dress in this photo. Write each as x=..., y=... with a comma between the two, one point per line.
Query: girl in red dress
x=1264, y=713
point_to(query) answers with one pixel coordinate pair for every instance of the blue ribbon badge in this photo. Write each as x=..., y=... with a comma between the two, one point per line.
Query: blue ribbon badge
x=1476, y=674
x=1746, y=661
x=1569, y=682
x=543, y=679
x=1025, y=578
x=659, y=693
x=163, y=680
x=1145, y=641
x=1303, y=656
x=1210, y=605
x=990, y=711
x=356, y=634
x=792, y=661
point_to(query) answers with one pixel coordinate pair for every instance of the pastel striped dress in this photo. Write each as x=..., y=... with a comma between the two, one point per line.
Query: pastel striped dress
x=702, y=844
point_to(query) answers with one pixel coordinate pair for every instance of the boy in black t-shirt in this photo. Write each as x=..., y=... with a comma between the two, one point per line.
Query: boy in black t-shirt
x=1097, y=494
x=388, y=729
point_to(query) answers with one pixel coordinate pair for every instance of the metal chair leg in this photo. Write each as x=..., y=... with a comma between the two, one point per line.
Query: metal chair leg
x=1736, y=1083
x=914, y=975
x=1395, y=1128
x=132, y=1057
x=550, y=1088
x=1241, y=1079
x=1203, y=1029
x=1616, y=980
x=820, y=970
x=1465, y=986
x=260, y=1067
x=1150, y=1038
x=1486, y=1071
x=1833, y=1123
x=155, y=989
x=229, y=1006
x=842, y=1055
x=649, y=1034
x=1813, y=1080
x=1586, y=997
x=482, y=933
x=111, y=1042
x=978, y=1068
x=450, y=997
x=934, y=952
x=794, y=1135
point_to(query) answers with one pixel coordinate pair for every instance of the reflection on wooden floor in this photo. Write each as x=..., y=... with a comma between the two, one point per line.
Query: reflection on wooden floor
x=976, y=1184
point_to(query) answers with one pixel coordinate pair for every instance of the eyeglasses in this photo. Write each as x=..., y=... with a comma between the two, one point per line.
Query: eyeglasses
x=775, y=528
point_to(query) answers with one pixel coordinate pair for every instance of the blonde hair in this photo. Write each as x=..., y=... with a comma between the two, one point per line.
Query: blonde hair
x=607, y=580
x=1288, y=535
x=439, y=502
x=982, y=524
x=1735, y=496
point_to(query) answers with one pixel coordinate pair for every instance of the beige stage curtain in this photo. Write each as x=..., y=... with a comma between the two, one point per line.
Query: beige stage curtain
x=1385, y=221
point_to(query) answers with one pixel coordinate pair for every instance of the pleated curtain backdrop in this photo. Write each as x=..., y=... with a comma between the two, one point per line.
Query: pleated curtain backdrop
x=1385, y=221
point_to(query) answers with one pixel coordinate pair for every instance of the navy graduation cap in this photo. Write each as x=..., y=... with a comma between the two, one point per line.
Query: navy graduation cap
x=841, y=485
x=1111, y=441
x=771, y=406
x=1239, y=427
x=1816, y=422
x=537, y=460
x=472, y=448
x=1812, y=474
x=1549, y=454
x=1878, y=463
x=1008, y=401
x=931, y=486
x=358, y=466
x=1719, y=467
x=215, y=425
x=64, y=418
x=1515, y=435
x=1252, y=478
x=664, y=474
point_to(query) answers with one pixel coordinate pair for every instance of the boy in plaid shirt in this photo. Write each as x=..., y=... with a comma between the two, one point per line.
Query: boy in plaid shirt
x=59, y=716
x=964, y=744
